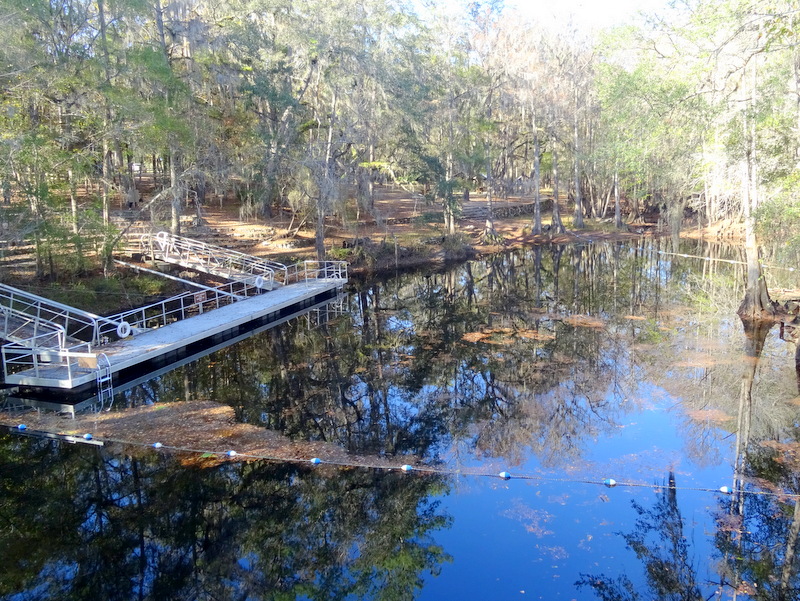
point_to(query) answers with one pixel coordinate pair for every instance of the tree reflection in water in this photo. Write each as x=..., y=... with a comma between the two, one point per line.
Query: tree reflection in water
x=487, y=355
x=523, y=359
x=81, y=524
x=659, y=542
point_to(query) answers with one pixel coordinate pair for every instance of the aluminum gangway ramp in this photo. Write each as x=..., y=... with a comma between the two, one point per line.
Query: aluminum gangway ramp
x=215, y=260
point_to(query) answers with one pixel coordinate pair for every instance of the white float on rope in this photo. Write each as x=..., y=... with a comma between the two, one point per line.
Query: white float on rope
x=157, y=445
x=406, y=468
x=610, y=482
x=231, y=453
x=316, y=461
x=505, y=475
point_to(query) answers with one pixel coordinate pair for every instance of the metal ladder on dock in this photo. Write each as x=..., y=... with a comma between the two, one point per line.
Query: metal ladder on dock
x=105, y=385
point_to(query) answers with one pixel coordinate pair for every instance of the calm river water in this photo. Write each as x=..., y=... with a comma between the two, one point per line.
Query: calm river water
x=564, y=367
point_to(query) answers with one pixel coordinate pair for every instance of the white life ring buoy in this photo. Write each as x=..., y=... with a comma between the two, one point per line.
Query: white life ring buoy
x=161, y=238
x=259, y=281
x=124, y=329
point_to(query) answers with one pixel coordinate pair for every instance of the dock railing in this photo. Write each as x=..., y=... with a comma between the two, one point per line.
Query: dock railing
x=18, y=326
x=43, y=355
x=186, y=305
x=77, y=324
x=323, y=270
x=17, y=306
x=214, y=259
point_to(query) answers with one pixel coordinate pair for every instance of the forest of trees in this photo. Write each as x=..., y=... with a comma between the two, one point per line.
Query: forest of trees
x=305, y=105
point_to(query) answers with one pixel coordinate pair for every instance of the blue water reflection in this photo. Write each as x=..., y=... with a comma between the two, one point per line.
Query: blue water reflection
x=535, y=538
x=563, y=366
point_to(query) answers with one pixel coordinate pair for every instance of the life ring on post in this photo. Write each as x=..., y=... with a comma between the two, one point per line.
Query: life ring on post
x=260, y=281
x=124, y=329
x=161, y=238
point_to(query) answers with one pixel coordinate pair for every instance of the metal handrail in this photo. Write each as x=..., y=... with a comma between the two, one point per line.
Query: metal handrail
x=324, y=270
x=185, y=305
x=214, y=259
x=16, y=326
x=79, y=324
x=39, y=353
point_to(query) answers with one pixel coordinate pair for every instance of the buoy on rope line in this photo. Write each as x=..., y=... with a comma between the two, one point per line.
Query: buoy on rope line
x=87, y=436
x=22, y=427
x=725, y=490
x=505, y=475
x=406, y=468
x=610, y=482
x=231, y=453
x=157, y=445
x=316, y=461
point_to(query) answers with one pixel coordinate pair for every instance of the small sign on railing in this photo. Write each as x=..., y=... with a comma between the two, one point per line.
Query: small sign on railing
x=200, y=297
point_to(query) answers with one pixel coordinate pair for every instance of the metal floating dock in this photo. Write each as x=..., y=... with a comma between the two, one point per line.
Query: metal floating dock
x=129, y=339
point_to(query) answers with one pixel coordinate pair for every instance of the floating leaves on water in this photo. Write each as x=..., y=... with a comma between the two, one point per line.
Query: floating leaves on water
x=554, y=553
x=584, y=321
x=709, y=415
x=533, y=520
x=474, y=336
x=535, y=335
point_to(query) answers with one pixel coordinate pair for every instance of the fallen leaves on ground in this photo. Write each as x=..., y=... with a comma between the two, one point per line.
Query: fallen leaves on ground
x=193, y=429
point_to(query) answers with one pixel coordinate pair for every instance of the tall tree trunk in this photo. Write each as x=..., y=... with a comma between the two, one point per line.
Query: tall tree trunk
x=73, y=202
x=556, y=226
x=578, y=218
x=757, y=304
x=326, y=184
x=176, y=186
x=537, y=194
x=617, y=208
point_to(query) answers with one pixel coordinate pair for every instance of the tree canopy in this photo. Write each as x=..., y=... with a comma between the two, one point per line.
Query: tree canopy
x=307, y=106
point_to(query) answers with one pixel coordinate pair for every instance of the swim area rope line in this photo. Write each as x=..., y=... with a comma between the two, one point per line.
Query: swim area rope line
x=89, y=439
x=731, y=261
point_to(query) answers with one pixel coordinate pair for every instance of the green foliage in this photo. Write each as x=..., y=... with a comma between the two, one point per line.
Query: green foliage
x=293, y=109
x=430, y=217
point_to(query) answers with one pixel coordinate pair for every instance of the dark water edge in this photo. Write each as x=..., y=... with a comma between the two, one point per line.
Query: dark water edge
x=564, y=366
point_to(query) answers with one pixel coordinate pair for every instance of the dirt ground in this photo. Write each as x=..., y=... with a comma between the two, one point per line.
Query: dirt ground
x=404, y=219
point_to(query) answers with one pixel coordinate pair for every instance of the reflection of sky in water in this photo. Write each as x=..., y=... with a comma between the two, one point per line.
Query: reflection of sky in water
x=644, y=386
x=540, y=535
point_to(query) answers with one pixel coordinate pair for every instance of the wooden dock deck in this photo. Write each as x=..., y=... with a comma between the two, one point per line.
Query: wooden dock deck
x=152, y=344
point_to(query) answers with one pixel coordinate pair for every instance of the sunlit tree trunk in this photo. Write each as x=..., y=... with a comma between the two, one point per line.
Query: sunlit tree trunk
x=176, y=206
x=578, y=217
x=757, y=304
x=556, y=226
x=537, y=193
x=617, y=208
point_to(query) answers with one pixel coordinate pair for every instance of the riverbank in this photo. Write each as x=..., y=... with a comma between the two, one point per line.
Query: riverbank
x=400, y=232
